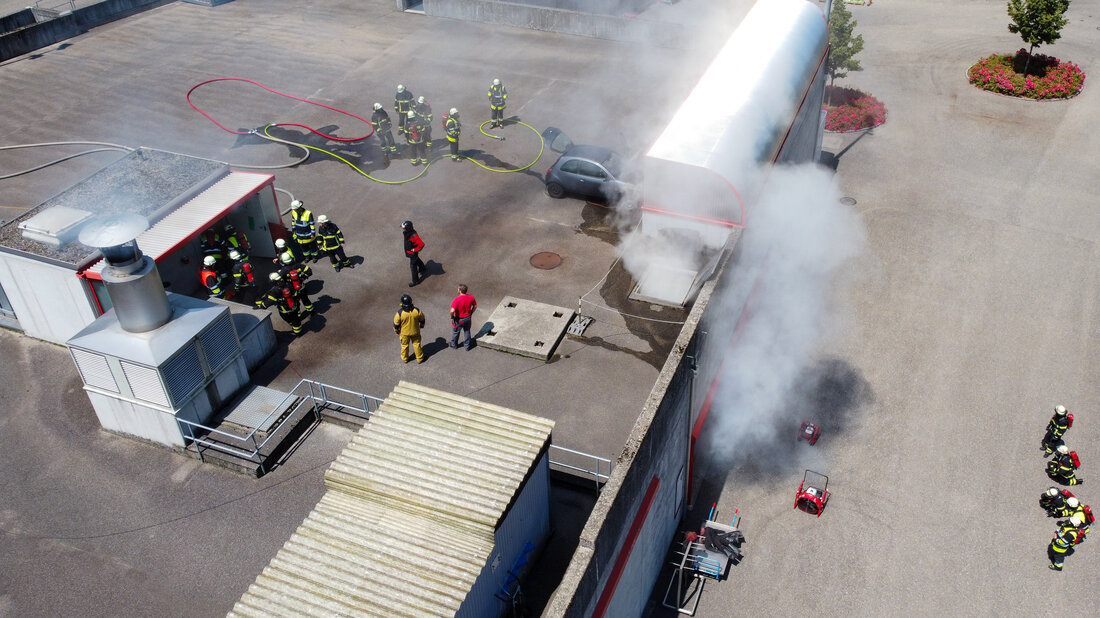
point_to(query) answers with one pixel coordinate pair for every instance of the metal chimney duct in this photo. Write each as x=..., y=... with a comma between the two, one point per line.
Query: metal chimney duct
x=132, y=280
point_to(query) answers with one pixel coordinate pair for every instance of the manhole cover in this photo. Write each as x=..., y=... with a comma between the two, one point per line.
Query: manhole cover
x=546, y=260
x=848, y=201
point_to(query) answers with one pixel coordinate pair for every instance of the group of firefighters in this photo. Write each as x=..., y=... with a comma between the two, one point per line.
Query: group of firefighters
x=228, y=272
x=1061, y=503
x=414, y=121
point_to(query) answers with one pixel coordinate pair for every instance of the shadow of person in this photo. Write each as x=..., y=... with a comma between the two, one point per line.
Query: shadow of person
x=485, y=329
x=314, y=323
x=324, y=303
x=432, y=268
x=436, y=345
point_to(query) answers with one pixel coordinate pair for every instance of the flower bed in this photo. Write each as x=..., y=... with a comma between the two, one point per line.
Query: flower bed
x=852, y=110
x=1047, y=77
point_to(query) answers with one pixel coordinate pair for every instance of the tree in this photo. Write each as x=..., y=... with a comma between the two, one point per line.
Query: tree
x=1038, y=22
x=843, y=47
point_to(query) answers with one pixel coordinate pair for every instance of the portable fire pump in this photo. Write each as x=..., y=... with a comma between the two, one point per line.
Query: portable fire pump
x=809, y=432
x=812, y=494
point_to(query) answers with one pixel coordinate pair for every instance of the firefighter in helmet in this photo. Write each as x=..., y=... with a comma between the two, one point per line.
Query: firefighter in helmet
x=304, y=229
x=1053, y=501
x=211, y=245
x=282, y=297
x=380, y=120
x=414, y=134
x=423, y=111
x=295, y=274
x=402, y=105
x=332, y=242
x=1056, y=428
x=407, y=323
x=1062, y=467
x=1064, y=539
x=244, y=278
x=454, y=130
x=498, y=99
x=212, y=277
x=236, y=240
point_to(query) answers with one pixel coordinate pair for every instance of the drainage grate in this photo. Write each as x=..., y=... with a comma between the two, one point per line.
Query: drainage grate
x=546, y=260
x=580, y=323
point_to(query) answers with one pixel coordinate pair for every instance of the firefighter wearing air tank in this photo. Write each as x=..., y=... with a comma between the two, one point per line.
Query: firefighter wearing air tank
x=212, y=277
x=244, y=277
x=380, y=120
x=281, y=295
x=423, y=111
x=332, y=242
x=453, y=127
x=304, y=229
x=1063, y=466
x=1068, y=534
x=498, y=99
x=235, y=240
x=402, y=105
x=295, y=275
x=414, y=133
x=1053, y=501
x=1056, y=428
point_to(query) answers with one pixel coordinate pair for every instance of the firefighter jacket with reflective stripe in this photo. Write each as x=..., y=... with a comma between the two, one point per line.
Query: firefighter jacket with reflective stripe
x=242, y=274
x=238, y=241
x=497, y=96
x=453, y=127
x=212, y=280
x=1058, y=425
x=413, y=244
x=280, y=296
x=408, y=321
x=303, y=222
x=1064, y=539
x=413, y=131
x=380, y=120
x=424, y=111
x=211, y=244
x=403, y=102
x=331, y=236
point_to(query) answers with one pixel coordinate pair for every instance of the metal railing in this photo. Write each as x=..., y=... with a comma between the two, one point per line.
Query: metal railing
x=307, y=393
x=589, y=466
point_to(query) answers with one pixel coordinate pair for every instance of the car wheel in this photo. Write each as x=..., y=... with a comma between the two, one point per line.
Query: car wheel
x=555, y=190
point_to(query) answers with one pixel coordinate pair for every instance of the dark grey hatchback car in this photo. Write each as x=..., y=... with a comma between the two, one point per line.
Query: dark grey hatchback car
x=592, y=172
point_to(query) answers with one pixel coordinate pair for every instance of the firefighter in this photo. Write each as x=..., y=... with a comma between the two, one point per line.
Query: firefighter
x=1056, y=428
x=498, y=99
x=380, y=120
x=423, y=111
x=1064, y=539
x=212, y=277
x=332, y=242
x=1072, y=507
x=295, y=274
x=282, y=296
x=407, y=323
x=236, y=240
x=304, y=229
x=402, y=105
x=211, y=245
x=1063, y=466
x=244, y=278
x=454, y=128
x=414, y=133
x=1053, y=501
x=413, y=246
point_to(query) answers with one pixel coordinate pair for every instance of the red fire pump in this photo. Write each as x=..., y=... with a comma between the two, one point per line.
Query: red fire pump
x=809, y=432
x=812, y=494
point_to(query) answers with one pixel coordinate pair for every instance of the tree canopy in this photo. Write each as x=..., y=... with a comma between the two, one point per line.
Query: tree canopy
x=1038, y=22
x=843, y=47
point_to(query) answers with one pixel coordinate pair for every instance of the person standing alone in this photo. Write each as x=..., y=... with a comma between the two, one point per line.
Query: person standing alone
x=407, y=323
x=413, y=246
x=462, y=312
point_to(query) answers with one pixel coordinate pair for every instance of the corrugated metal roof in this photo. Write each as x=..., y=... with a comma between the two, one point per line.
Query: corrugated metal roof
x=409, y=518
x=193, y=217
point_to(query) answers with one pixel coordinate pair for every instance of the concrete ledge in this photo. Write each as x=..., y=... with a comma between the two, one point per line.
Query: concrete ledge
x=15, y=21
x=37, y=36
x=525, y=327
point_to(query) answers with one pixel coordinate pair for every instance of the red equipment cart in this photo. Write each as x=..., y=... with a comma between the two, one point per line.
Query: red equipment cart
x=812, y=495
x=809, y=432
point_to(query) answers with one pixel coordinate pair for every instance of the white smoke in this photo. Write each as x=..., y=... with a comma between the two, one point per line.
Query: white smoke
x=798, y=239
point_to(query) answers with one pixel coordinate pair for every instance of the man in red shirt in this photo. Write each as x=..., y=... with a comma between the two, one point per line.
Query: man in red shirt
x=462, y=311
x=413, y=246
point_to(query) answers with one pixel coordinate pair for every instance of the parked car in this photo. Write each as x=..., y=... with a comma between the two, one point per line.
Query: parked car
x=591, y=172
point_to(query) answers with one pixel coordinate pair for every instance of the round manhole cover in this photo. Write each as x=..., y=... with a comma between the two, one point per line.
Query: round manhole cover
x=546, y=260
x=848, y=201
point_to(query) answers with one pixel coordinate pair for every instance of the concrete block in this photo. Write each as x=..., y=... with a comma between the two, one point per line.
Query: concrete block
x=525, y=327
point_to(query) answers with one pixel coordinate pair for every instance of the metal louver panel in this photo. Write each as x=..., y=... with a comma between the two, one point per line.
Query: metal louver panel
x=145, y=383
x=219, y=342
x=183, y=374
x=94, y=370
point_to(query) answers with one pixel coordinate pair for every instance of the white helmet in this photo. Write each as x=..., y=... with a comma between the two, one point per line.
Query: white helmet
x=1053, y=491
x=1077, y=520
x=411, y=114
x=1072, y=502
x=274, y=276
x=1060, y=410
x=297, y=204
x=400, y=87
x=454, y=111
x=286, y=258
x=419, y=99
x=209, y=260
x=1062, y=449
x=322, y=219
x=234, y=254
x=377, y=106
x=496, y=82
x=280, y=243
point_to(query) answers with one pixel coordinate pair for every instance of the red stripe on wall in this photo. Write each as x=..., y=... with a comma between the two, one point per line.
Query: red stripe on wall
x=628, y=546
